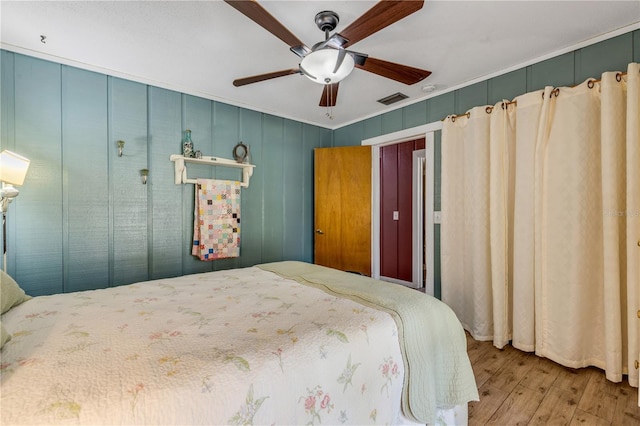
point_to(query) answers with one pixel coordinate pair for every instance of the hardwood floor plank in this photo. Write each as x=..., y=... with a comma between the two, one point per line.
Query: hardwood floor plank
x=491, y=362
x=582, y=418
x=627, y=411
x=542, y=375
x=557, y=408
x=508, y=377
x=572, y=380
x=597, y=399
x=491, y=399
x=518, y=408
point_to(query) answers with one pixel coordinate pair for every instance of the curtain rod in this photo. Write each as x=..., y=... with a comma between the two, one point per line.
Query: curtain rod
x=555, y=92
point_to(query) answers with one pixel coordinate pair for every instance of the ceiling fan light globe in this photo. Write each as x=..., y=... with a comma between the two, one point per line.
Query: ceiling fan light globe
x=319, y=66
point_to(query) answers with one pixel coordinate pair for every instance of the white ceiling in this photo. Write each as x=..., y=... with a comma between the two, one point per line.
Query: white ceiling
x=200, y=47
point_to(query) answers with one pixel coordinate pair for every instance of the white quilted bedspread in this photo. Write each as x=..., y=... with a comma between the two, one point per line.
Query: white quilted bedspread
x=231, y=347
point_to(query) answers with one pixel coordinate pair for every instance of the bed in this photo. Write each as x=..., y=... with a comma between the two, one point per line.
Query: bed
x=278, y=343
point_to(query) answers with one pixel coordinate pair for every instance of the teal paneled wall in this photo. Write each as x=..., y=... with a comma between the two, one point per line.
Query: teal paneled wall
x=84, y=220
x=85, y=128
x=565, y=70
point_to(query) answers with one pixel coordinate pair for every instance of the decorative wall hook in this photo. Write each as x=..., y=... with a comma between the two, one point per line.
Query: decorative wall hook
x=120, y=147
x=144, y=173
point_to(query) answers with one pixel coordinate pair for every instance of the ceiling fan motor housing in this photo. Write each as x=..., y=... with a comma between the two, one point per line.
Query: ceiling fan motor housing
x=327, y=20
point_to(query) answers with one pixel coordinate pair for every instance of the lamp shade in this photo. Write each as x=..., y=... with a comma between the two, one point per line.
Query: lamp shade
x=13, y=168
x=320, y=64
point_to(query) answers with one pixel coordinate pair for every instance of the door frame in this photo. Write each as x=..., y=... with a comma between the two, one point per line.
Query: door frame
x=427, y=132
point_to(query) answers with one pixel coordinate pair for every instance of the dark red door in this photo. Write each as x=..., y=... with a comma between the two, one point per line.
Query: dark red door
x=396, y=189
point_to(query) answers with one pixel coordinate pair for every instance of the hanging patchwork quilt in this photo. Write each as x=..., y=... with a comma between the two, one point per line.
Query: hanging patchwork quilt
x=216, y=225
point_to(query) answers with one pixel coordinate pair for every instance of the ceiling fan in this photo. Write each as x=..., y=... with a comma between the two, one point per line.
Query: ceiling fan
x=329, y=61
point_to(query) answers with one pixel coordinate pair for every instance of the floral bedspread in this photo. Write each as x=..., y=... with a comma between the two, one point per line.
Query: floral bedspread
x=244, y=346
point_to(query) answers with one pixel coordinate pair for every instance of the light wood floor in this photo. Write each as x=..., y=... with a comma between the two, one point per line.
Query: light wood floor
x=519, y=388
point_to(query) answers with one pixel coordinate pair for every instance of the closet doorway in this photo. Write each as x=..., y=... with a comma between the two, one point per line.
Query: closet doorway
x=425, y=218
x=401, y=201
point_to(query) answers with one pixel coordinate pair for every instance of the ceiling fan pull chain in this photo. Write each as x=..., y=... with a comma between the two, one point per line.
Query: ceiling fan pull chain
x=329, y=101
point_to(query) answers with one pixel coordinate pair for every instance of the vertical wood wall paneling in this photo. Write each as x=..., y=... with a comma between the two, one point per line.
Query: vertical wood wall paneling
x=165, y=135
x=372, y=127
x=437, y=176
x=252, y=233
x=128, y=122
x=415, y=115
x=273, y=193
x=85, y=165
x=507, y=86
x=197, y=117
x=7, y=141
x=636, y=46
x=293, y=233
x=388, y=204
x=37, y=212
x=349, y=135
x=470, y=96
x=613, y=54
x=556, y=72
x=441, y=106
x=392, y=121
x=226, y=135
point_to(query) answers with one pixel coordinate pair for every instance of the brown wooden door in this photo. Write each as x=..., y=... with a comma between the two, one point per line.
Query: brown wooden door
x=343, y=208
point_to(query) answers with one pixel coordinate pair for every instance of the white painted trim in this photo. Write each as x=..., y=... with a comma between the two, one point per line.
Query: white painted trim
x=429, y=203
x=425, y=131
x=397, y=281
x=418, y=232
x=403, y=135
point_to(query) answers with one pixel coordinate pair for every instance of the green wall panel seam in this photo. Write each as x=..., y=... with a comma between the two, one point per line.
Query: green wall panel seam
x=110, y=142
x=65, y=187
x=150, y=251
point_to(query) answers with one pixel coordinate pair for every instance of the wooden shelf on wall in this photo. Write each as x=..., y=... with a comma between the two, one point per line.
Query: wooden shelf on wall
x=181, y=168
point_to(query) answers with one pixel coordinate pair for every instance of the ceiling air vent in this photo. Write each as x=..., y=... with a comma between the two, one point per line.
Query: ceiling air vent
x=392, y=99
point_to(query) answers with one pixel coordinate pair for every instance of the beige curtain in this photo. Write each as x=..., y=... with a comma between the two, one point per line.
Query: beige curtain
x=465, y=193
x=555, y=240
x=477, y=206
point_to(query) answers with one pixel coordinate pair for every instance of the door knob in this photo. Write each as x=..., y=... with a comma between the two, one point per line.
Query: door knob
x=319, y=231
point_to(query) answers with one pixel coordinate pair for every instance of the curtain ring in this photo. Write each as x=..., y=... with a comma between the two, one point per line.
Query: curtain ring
x=489, y=109
x=468, y=114
x=453, y=118
x=592, y=83
x=543, y=94
x=618, y=77
x=555, y=92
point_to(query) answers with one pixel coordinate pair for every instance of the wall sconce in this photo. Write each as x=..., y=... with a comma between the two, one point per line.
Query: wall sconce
x=120, y=147
x=144, y=173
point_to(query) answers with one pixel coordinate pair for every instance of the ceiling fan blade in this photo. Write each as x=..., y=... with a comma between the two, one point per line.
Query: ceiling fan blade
x=329, y=95
x=402, y=73
x=262, y=77
x=252, y=10
x=383, y=14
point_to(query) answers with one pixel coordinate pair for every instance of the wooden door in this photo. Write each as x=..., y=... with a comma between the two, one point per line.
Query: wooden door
x=342, y=208
x=396, y=209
